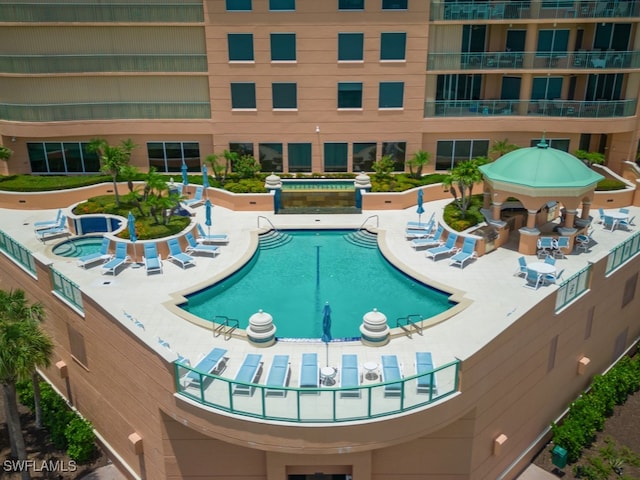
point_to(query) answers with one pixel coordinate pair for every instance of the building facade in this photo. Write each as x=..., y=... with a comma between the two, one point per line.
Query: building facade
x=309, y=86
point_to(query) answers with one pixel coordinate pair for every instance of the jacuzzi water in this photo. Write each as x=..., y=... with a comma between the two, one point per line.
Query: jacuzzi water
x=317, y=185
x=292, y=283
x=78, y=247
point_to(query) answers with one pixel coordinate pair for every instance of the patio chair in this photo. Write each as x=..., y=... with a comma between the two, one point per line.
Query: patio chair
x=249, y=372
x=532, y=279
x=624, y=210
x=609, y=223
x=214, y=362
x=583, y=241
x=309, y=371
x=119, y=260
x=152, y=260
x=424, y=364
x=522, y=268
x=102, y=255
x=467, y=253
x=194, y=247
x=550, y=260
x=545, y=246
x=391, y=371
x=204, y=237
x=448, y=248
x=430, y=240
x=551, y=278
x=561, y=246
x=627, y=223
x=177, y=255
x=59, y=229
x=278, y=376
x=44, y=224
x=602, y=214
x=350, y=376
x=196, y=200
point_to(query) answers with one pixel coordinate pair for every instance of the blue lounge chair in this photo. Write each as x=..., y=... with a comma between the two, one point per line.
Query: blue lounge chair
x=204, y=237
x=152, y=260
x=102, y=255
x=467, y=253
x=196, y=200
x=59, y=229
x=428, y=225
x=448, y=248
x=195, y=247
x=44, y=224
x=278, y=376
x=411, y=233
x=309, y=371
x=522, y=267
x=176, y=254
x=434, y=240
x=350, y=376
x=249, y=372
x=214, y=362
x=424, y=364
x=119, y=260
x=391, y=372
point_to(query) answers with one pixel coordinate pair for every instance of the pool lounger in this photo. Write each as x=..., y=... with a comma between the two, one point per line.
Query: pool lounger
x=426, y=383
x=248, y=372
x=213, y=362
x=278, y=376
x=309, y=371
x=350, y=376
x=391, y=371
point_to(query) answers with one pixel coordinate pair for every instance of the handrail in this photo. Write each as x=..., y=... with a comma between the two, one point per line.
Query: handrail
x=369, y=218
x=268, y=221
x=226, y=327
x=410, y=323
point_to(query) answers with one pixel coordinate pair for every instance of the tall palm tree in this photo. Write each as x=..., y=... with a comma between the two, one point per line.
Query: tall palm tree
x=113, y=159
x=417, y=161
x=461, y=181
x=5, y=153
x=502, y=147
x=24, y=346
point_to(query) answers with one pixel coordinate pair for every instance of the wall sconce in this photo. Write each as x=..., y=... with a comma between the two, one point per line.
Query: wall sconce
x=136, y=443
x=13, y=139
x=317, y=129
x=583, y=363
x=498, y=442
x=63, y=371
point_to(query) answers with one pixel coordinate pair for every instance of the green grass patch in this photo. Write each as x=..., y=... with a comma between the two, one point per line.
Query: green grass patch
x=43, y=183
x=453, y=216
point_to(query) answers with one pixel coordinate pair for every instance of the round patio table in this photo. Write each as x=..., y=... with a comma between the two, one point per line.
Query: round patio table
x=542, y=268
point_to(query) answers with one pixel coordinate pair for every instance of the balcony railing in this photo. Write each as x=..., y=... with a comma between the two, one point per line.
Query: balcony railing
x=325, y=404
x=545, y=108
x=582, y=59
x=462, y=11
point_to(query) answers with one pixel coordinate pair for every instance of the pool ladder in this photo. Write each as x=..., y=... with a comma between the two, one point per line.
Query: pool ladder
x=408, y=324
x=226, y=326
x=273, y=227
x=369, y=218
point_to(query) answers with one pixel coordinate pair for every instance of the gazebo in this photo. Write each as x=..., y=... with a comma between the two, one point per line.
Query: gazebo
x=541, y=178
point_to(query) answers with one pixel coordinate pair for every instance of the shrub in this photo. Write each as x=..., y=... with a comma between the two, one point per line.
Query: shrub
x=610, y=184
x=452, y=215
x=81, y=440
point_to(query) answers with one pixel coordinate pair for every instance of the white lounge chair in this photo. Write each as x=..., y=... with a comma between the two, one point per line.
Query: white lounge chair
x=195, y=247
x=424, y=364
x=309, y=371
x=350, y=376
x=434, y=240
x=44, y=224
x=214, y=362
x=101, y=255
x=465, y=254
x=152, y=260
x=59, y=229
x=278, y=376
x=119, y=260
x=448, y=248
x=249, y=372
x=196, y=200
x=391, y=371
x=204, y=237
x=177, y=255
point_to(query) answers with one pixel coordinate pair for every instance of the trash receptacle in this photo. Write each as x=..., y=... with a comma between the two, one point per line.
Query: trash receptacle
x=559, y=456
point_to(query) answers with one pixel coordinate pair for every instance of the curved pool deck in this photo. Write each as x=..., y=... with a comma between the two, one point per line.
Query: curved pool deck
x=133, y=294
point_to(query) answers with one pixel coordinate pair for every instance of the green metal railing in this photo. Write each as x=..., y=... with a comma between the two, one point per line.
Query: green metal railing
x=581, y=60
x=103, y=63
x=103, y=111
x=573, y=287
x=17, y=252
x=536, y=108
x=623, y=252
x=317, y=405
x=66, y=289
x=525, y=10
x=136, y=11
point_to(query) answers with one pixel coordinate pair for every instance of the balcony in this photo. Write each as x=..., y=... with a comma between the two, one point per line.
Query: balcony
x=463, y=11
x=530, y=108
x=580, y=60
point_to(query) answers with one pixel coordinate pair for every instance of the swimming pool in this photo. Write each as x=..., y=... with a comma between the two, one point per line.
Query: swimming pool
x=78, y=247
x=293, y=281
x=318, y=185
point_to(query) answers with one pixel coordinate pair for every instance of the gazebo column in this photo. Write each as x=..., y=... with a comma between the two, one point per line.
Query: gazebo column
x=531, y=219
x=529, y=235
x=486, y=199
x=570, y=218
x=496, y=210
x=586, y=209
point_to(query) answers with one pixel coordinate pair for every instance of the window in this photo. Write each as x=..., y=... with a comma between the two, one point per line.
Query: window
x=335, y=157
x=299, y=157
x=350, y=47
x=451, y=152
x=391, y=95
x=546, y=88
x=57, y=157
x=238, y=5
x=393, y=45
x=604, y=87
x=243, y=95
x=169, y=156
x=284, y=95
x=394, y=4
x=553, y=349
x=458, y=87
x=350, y=4
x=350, y=95
x=240, y=47
x=282, y=4
x=550, y=41
x=77, y=346
x=557, y=143
x=364, y=154
x=397, y=152
x=283, y=47
x=241, y=148
x=270, y=157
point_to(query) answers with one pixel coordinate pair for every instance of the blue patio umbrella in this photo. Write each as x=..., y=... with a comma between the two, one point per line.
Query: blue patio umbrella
x=185, y=177
x=205, y=179
x=133, y=238
x=207, y=215
x=420, y=209
x=326, y=327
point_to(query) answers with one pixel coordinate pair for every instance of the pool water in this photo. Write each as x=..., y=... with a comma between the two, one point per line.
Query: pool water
x=78, y=247
x=292, y=283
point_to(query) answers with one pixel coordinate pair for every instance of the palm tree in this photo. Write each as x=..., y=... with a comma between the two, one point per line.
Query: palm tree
x=502, y=147
x=417, y=161
x=461, y=180
x=24, y=346
x=113, y=159
x=5, y=153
